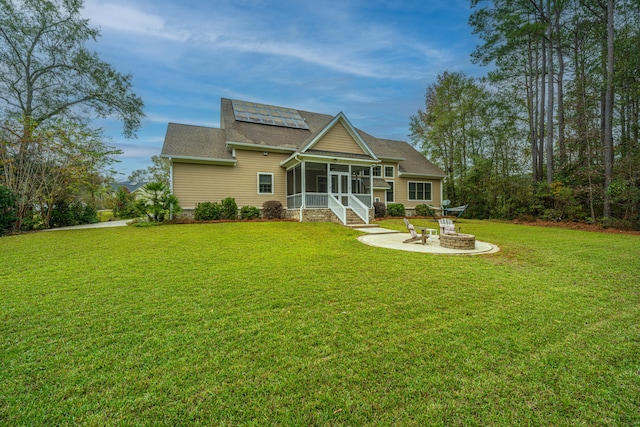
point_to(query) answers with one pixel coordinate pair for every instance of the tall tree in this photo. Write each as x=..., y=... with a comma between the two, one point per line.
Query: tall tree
x=48, y=73
x=51, y=87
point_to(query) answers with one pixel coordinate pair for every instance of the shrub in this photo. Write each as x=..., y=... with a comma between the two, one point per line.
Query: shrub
x=424, y=210
x=272, y=209
x=7, y=209
x=229, y=208
x=157, y=202
x=249, y=212
x=395, y=209
x=380, y=209
x=124, y=204
x=207, y=211
x=65, y=214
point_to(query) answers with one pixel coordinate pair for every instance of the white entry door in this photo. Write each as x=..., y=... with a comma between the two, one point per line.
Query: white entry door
x=340, y=187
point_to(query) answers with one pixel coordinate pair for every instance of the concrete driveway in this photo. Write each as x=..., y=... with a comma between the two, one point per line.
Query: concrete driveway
x=106, y=224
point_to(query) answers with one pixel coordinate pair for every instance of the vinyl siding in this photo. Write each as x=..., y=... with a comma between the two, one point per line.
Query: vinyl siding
x=402, y=192
x=196, y=183
x=338, y=140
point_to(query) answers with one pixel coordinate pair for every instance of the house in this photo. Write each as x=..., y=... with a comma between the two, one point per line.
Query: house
x=320, y=167
x=130, y=186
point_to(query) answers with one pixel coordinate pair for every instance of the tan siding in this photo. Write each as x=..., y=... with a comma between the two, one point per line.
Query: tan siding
x=196, y=183
x=338, y=140
x=402, y=192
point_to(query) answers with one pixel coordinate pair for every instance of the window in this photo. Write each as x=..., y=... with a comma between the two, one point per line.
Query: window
x=420, y=191
x=377, y=171
x=265, y=183
x=389, y=196
x=388, y=171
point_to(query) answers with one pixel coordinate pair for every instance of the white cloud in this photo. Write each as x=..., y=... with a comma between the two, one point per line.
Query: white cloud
x=128, y=19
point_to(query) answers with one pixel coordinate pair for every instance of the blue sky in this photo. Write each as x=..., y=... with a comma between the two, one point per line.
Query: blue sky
x=371, y=59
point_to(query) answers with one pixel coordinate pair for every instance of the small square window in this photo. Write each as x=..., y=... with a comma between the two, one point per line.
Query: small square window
x=265, y=183
x=377, y=171
x=388, y=171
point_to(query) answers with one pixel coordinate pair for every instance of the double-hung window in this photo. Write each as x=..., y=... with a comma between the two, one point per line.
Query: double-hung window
x=265, y=183
x=419, y=191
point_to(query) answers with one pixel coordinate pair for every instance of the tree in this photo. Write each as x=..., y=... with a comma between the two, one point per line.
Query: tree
x=159, y=171
x=157, y=202
x=51, y=86
x=47, y=73
x=43, y=165
x=447, y=130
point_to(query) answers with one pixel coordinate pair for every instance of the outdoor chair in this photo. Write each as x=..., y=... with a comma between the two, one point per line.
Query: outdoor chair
x=414, y=236
x=447, y=226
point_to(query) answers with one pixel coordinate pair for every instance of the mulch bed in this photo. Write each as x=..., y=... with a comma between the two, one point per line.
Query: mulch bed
x=582, y=226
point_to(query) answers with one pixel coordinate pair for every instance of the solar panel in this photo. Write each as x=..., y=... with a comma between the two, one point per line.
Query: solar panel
x=252, y=112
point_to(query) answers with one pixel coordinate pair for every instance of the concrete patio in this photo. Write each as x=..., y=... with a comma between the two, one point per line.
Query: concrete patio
x=392, y=239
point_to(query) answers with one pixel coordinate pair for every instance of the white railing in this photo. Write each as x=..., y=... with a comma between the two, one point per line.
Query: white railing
x=359, y=208
x=316, y=200
x=365, y=199
x=338, y=209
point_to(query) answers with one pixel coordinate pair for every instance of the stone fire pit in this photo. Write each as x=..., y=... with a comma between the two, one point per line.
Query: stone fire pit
x=458, y=241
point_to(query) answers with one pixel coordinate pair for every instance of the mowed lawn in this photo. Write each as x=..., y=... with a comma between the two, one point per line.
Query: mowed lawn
x=290, y=324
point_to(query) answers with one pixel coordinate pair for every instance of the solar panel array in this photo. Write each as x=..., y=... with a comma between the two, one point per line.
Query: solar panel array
x=252, y=112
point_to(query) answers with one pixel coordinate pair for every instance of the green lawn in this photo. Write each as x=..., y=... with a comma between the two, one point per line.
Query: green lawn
x=289, y=324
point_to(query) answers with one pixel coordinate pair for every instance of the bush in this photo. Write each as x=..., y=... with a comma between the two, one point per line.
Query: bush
x=207, y=211
x=272, y=209
x=229, y=208
x=65, y=214
x=395, y=209
x=7, y=209
x=380, y=209
x=249, y=212
x=157, y=202
x=424, y=210
x=124, y=204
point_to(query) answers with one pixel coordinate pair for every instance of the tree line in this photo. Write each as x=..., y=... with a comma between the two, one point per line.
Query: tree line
x=552, y=131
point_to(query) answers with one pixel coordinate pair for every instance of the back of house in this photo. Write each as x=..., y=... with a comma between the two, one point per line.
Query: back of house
x=320, y=167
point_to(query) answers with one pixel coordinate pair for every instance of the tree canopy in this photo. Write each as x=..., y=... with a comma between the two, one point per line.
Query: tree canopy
x=51, y=88
x=47, y=72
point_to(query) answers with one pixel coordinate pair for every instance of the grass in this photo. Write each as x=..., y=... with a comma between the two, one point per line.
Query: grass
x=293, y=324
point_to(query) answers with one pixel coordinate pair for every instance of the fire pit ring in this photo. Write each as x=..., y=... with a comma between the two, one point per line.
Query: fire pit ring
x=458, y=241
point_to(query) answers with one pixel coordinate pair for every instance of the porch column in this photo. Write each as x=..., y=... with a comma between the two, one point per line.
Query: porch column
x=303, y=189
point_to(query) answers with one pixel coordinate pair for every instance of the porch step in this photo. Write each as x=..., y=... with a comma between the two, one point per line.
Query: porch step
x=354, y=221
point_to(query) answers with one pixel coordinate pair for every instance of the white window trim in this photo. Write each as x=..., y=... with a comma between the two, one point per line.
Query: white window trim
x=393, y=186
x=373, y=174
x=384, y=171
x=419, y=200
x=272, y=182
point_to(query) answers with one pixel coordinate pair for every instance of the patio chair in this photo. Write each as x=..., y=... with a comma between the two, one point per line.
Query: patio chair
x=414, y=236
x=446, y=226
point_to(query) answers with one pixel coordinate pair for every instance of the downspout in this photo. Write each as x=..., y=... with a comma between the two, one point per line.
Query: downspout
x=171, y=186
x=301, y=204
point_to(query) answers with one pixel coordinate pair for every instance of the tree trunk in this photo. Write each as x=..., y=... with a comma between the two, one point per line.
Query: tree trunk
x=550, y=97
x=608, y=113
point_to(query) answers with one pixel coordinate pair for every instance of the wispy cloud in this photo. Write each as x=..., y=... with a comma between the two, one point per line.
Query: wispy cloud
x=124, y=17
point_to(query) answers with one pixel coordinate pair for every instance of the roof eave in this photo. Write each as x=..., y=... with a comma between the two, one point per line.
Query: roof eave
x=200, y=160
x=258, y=147
x=420, y=175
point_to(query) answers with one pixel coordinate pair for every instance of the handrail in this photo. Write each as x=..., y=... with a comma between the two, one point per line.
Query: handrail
x=359, y=208
x=338, y=208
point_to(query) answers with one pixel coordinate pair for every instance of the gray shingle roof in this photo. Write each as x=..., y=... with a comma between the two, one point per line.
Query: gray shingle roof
x=204, y=142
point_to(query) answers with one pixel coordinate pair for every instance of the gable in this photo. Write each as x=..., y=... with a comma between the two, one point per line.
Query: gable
x=337, y=139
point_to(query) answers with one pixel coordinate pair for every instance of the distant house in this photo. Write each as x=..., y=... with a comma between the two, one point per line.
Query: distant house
x=318, y=166
x=131, y=186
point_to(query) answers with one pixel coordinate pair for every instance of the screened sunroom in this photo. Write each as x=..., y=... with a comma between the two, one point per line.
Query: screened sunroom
x=336, y=186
